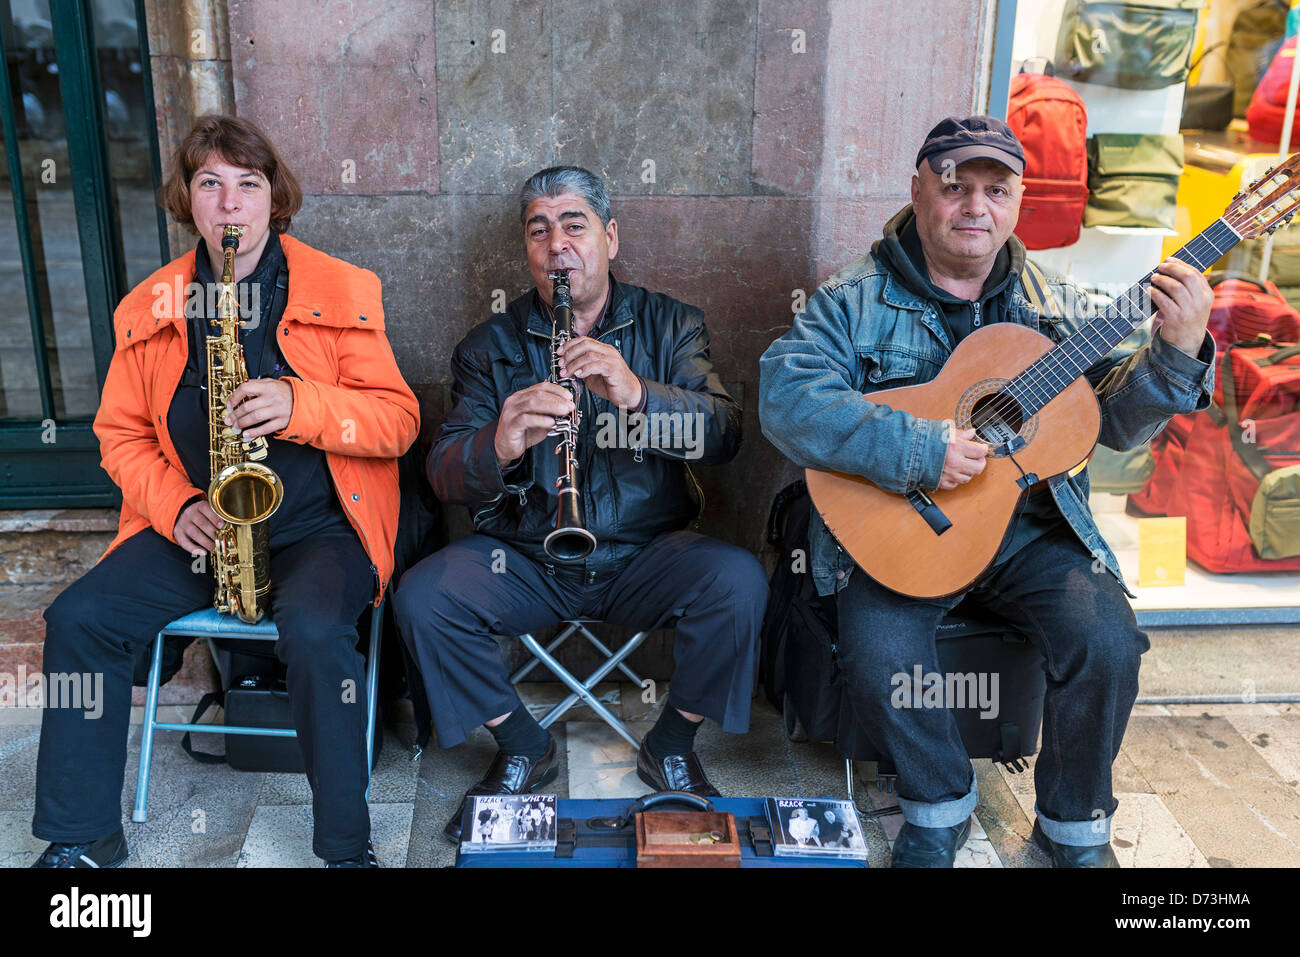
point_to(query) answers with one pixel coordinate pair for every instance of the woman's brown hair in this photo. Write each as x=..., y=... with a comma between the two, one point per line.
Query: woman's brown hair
x=239, y=143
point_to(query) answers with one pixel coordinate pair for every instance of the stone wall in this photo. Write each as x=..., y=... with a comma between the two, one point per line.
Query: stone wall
x=752, y=149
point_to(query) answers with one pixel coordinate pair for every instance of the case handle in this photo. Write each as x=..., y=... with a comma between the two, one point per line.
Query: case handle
x=657, y=799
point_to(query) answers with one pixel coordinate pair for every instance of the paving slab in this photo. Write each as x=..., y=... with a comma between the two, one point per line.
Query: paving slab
x=198, y=813
x=1232, y=803
x=1003, y=817
x=1276, y=738
x=281, y=835
x=17, y=846
x=19, y=744
x=601, y=763
x=393, y=780
x=1221, y=661
x=1144, y=833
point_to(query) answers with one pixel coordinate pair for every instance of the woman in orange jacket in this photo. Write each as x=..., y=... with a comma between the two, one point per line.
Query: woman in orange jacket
x=324, y=389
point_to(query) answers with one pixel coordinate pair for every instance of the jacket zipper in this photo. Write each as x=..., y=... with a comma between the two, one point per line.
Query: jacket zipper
x=338, y=489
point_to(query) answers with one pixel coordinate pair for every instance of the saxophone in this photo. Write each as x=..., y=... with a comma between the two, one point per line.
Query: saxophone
x=243, y=491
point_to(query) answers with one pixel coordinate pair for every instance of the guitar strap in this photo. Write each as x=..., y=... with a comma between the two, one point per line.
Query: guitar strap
x=1040, y=297
x=1037, y=291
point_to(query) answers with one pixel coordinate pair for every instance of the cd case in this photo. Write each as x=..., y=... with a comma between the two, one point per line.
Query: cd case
x=509, y=822
x=815, y=827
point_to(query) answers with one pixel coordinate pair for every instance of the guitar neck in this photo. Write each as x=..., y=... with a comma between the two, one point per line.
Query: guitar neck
x=1049, y=375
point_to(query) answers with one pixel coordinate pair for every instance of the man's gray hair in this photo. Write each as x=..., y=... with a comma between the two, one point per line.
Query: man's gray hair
x=558, y=180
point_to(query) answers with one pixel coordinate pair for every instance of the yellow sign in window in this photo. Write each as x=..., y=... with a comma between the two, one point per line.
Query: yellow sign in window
x=1162, y=551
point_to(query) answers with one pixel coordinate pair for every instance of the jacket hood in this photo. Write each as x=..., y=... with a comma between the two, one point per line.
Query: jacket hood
x=322, y=291
x=899, y=249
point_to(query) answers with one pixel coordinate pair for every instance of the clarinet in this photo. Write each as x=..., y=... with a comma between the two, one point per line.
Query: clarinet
x=569, y=541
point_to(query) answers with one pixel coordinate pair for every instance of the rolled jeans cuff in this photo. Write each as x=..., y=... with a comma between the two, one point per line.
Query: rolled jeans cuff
x=1074, y=833
x=943, y=814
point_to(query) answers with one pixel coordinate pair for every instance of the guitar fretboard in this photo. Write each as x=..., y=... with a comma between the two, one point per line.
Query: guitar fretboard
x=1049, y=375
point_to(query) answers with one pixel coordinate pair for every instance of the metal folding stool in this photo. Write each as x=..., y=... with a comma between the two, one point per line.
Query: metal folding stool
x=581, y=690
x=209, y=623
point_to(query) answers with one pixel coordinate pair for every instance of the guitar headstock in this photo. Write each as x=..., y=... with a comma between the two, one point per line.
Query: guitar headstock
x=1267, y=203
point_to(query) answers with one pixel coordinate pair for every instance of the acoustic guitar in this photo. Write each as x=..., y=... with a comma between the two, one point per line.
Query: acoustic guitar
x=1028, y=399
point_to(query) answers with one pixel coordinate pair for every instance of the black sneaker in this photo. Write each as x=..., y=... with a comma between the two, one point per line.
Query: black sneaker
x=108, y=851
x=367, y=859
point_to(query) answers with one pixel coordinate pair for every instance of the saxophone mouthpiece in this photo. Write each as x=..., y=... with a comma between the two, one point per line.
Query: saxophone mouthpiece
x=230, y=237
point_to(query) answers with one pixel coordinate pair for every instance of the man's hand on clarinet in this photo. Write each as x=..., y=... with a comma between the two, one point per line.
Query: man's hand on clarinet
x=601, y=367
x=527, y=416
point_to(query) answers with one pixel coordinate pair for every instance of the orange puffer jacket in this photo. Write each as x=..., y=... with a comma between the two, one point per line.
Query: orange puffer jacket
x=350, y=401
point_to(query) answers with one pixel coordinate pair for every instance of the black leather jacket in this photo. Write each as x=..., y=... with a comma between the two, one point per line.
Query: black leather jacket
x=631, y=495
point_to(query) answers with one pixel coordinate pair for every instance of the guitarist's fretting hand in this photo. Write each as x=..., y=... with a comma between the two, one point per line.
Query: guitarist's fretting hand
x=1183, y=297
x=964, y=461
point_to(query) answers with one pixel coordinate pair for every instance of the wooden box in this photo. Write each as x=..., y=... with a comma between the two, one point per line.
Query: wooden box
x=672, y=839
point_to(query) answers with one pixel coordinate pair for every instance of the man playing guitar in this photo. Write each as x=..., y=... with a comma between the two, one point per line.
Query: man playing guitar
x=947, y=266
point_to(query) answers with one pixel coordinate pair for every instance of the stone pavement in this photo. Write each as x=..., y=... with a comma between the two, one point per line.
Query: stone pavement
x=1198, y=786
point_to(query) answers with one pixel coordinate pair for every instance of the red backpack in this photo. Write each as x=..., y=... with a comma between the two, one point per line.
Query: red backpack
x=1238, y=495
x=1267, y=107
x=1245, y=308
x=1050, y=121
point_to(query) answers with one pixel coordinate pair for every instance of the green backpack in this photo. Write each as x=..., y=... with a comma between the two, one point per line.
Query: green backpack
x=1137, y=45
x=1133, y=179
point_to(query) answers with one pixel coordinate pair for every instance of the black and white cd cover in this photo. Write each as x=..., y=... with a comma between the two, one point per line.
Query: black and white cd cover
x=510, y=822
x=815, y=827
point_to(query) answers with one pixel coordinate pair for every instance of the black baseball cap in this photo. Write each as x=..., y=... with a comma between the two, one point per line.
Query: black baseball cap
x=956, y=141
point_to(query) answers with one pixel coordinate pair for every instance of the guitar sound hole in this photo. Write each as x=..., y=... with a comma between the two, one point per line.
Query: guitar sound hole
x=997, y=418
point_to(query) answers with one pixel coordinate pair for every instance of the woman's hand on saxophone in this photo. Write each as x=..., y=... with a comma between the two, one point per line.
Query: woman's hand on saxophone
x=196, y=527
x=260, y=407
x=527, y=417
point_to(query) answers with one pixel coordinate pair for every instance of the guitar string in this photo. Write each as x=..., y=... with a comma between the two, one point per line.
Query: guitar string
x=1035, y=375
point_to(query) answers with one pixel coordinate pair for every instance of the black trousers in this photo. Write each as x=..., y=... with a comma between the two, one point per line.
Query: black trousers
x=1075, y=612
x=450, y=604
x=320, y=586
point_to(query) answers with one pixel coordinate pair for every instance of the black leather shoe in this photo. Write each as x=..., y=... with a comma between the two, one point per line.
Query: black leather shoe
x=677, y=772
x=366, y=859
x=509, y=774
x=918, y=846
x=1071, y=855
x=108, y=851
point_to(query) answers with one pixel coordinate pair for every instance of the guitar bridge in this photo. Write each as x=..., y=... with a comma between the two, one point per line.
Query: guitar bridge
x=933, y=514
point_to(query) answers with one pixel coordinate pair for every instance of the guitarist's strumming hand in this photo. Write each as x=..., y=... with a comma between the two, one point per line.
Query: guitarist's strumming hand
x=1183, y=297
x=964, y=461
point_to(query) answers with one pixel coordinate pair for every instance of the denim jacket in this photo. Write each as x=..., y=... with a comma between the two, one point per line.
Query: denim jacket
x=862, y=332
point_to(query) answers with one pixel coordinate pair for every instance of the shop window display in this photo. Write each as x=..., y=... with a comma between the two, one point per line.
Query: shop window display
x=1163, y=89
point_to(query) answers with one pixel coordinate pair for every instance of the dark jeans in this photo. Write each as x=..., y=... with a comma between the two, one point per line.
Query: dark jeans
x=450, y=604
x=1077, y=615
x=320, y=586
